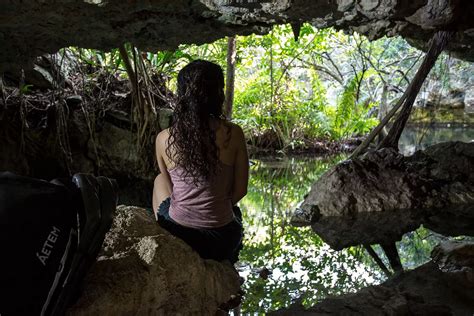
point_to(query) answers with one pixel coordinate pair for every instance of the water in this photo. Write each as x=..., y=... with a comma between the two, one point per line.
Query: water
x=284, y=265
x=303, y=268
x=417, y=138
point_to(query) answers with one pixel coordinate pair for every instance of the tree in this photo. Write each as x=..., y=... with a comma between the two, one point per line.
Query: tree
x=230, y=77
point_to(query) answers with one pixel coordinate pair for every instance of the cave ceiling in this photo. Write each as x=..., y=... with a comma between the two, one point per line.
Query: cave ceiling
x=34, y=27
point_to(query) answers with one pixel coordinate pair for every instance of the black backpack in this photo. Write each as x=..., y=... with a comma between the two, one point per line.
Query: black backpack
x=50, y=234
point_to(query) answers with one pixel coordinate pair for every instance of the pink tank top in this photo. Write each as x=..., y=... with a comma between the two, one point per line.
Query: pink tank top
x=205, y=205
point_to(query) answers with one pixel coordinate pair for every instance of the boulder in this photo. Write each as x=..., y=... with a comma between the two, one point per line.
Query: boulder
x=432, y=289
x=382, y=195
x=49, y=71
x=453, y=100
x=165, y=116
x=143, y=270
x=469, y=101
x=457, y=260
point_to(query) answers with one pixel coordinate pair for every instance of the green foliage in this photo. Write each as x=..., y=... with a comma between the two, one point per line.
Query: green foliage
x=303, y=267
x=345, y=107
x=287, y=88
x=24, y=89
x=327, y=85
x=351, y=116
x=274, y=94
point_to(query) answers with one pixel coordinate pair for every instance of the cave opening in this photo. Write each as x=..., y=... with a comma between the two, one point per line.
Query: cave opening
x=88, y=85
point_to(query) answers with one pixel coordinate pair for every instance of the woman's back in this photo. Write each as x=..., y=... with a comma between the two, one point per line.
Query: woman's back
x=208, y=202
x=227, y=142
x=203, y=167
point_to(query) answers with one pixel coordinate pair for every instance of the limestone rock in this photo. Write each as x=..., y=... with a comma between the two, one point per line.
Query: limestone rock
x=31, y=28
x=48, y=71
x=434, y=14
x=143, y=270
x=457, y=259
x=469, y=100
x=382, y=195
x=453, y=100
x=431, y=289
x=165, y=116
x=84, y=130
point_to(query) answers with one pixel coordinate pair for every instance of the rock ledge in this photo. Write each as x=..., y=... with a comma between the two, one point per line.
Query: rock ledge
x=142, y=269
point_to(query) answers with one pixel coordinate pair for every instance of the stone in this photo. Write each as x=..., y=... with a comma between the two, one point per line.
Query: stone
x=369, y=5
x=453, y=103
x=431, y=289
x=434, y=14
x=49, y=71
x=457, y=259
x=469, y=100
x=29, y=29
x=345, y=5
x=382, y=195
x=453, y=99
x=165, y=116
x=74, y=100
x=143, y=270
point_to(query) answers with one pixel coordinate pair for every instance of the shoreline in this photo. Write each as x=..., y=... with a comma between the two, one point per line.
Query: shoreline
x=315, y=148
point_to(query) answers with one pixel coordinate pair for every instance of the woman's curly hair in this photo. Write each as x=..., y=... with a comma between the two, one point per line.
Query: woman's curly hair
x=200, y=97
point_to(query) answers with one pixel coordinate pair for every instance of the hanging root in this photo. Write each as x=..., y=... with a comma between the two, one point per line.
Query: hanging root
x=143, y=105
x=62, y=114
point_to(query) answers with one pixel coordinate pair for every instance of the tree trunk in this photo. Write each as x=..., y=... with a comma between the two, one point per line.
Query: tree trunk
x=438, y=42
x=383, y=112
x=230, y=79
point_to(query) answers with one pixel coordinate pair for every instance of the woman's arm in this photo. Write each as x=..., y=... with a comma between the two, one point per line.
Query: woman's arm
x=161, y=155
x=163, y=187
x=241, y=166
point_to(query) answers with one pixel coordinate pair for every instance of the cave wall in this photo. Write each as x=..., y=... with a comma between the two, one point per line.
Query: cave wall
x=51, y=134
x=32, y=28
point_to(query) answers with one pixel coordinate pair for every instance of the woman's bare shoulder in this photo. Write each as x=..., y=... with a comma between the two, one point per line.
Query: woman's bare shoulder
x=162, y=138
x=237, y=135
x=163, y=135
x=232, y=126
x=237, y=131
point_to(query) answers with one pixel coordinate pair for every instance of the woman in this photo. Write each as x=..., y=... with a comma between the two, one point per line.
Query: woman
x=204, y=167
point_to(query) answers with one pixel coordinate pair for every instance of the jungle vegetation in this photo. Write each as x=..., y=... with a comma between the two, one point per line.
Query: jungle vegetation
x=326, y=85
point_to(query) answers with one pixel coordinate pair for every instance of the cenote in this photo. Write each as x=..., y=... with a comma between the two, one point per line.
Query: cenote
x=285, y=265
x=379, y=92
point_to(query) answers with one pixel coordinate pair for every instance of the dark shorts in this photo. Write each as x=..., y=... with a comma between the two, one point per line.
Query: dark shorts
x=222, y=243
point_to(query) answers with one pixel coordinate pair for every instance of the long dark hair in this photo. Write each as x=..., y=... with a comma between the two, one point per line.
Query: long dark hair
x=192, y=142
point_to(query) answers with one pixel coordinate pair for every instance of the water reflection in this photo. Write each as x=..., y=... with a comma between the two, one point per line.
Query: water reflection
x=302, y=267
x=417, y=138
x=284, y=265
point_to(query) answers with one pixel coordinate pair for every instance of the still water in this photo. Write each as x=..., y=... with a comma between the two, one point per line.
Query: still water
x=417, y=138
x=286, y=265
